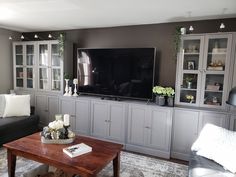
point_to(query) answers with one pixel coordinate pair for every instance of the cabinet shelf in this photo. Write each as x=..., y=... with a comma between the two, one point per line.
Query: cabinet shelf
x=217, y=53
x=216, y=91
x=193, y=53
x=186, y=89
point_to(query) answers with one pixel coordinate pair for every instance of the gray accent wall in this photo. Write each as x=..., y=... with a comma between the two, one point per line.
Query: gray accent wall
x=6, y=66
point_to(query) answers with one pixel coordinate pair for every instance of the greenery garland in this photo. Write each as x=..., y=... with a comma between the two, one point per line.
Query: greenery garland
x=176, y=41
x=61, y=43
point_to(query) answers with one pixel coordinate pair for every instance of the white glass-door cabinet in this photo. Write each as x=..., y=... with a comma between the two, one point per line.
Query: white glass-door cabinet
x=203, y=70
x=50, y=66
x=24, y=62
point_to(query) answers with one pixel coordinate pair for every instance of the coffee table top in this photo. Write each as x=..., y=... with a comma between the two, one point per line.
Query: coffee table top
x=91, y=163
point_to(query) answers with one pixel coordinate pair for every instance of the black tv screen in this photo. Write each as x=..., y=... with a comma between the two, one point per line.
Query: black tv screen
x=116, y=72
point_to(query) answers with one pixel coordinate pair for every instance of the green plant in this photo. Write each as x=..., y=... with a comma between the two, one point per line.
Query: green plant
x=61, y=43
x=176, y=41
x=188, y=79
x=158, y=90
x=169, y=91
x=163, y=91
x=67, y=76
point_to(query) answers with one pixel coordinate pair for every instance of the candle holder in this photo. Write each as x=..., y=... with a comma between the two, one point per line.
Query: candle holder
x=75, y=82
x=66, y=130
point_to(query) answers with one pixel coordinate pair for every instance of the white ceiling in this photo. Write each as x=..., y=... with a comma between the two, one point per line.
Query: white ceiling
x=49, y=15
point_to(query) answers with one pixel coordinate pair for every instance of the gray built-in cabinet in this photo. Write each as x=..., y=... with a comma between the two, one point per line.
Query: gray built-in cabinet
x=140, y=127
x=187, y=124
x=149, y=129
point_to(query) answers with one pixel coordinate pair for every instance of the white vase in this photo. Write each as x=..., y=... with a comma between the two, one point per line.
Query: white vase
x=66, y=88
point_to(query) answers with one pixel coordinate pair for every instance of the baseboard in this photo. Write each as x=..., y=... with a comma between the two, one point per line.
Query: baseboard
x=148, y=151
x=181, y=156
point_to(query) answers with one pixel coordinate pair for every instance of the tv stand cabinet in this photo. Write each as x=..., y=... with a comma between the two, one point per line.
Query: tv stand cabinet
x=141, y=127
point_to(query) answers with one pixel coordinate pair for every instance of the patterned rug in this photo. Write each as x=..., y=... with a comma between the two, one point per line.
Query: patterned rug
x=132, y=165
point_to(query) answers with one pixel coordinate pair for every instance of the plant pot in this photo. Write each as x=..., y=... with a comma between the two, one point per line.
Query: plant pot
x=160, y=100
x=170, y=101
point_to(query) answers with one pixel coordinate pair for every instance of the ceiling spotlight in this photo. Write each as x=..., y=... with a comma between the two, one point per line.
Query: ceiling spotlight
x=10, y=38
x=222, y=26
x=191, y=28
x=49, y=36
x=36, y=36
x=22, y=37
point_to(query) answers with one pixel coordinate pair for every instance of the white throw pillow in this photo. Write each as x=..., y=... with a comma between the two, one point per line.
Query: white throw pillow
x=17, y=105
x=2, y=104
x=218, y=144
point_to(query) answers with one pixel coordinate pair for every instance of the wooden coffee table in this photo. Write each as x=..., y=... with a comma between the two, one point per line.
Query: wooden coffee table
x=86, y=165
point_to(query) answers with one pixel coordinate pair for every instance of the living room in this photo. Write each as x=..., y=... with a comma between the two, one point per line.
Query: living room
x=141, y=125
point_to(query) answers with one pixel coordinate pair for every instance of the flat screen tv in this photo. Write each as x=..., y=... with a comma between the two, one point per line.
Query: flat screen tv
x=116, y=72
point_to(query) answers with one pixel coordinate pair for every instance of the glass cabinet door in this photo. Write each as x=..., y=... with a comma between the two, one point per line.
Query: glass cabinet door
x=43, y=78
x=215, y=68
x=19, y=66
x=43, y=55
x=56, y=68
x=30, y=62
x=190, y=63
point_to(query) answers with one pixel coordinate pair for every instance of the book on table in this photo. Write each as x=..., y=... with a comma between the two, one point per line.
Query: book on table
x=77, y=150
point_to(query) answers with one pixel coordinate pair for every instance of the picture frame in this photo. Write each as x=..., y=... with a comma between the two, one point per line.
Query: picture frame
x=191, y=65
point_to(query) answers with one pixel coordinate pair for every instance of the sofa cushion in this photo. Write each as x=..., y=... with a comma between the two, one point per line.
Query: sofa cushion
x=2, y=104
x=17, y=105
x=218, y=144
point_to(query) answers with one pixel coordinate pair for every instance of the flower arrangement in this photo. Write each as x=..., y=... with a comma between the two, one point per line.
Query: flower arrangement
x=55, y=131
x=190, y=98
x=163, y=91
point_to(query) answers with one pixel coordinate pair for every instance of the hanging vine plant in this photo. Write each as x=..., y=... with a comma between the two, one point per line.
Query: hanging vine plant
x=61, y=43
x=176, y=41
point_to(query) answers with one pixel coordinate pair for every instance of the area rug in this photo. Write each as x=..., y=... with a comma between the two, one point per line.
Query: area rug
x=132, y=165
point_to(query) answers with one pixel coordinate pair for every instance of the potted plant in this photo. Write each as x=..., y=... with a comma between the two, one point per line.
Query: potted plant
x=160, y=93
x=188, y=81
x=170, y=96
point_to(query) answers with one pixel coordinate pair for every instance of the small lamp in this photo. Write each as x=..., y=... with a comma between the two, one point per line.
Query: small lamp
x=232, y=97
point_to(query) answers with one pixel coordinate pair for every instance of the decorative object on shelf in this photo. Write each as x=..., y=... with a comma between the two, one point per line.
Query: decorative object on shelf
x=190, y=98
x=170, y=96
x=70, y=91
x=176, y=41
x=191, y=65
x=66, y=88
x=75, y=82
x=57, y=132
x=183, y=30
x=188, y=81
x=160, y=95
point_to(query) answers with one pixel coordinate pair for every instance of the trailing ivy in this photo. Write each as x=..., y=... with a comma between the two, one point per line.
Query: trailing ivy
x=61, y=40
x=176, y=41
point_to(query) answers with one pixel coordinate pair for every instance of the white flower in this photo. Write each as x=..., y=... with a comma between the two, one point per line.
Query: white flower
x=55, y=125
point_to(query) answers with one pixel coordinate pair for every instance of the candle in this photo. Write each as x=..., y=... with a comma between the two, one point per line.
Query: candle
x=66, y=120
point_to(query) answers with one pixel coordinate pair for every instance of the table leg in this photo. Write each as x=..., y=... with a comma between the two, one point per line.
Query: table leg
x=11, y=161
x=116, y=165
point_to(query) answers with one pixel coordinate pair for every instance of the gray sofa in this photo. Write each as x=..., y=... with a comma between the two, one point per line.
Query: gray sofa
x=12, y=128
x=201, y=166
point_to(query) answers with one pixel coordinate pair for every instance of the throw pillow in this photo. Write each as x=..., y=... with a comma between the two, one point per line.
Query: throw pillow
x=17, y=105
x=218, y=144
x=2, y=104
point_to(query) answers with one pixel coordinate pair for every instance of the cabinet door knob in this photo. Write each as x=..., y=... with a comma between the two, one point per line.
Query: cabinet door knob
x=147, y=127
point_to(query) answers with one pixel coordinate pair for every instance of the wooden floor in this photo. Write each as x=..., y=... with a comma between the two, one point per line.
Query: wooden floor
x=170, y=160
